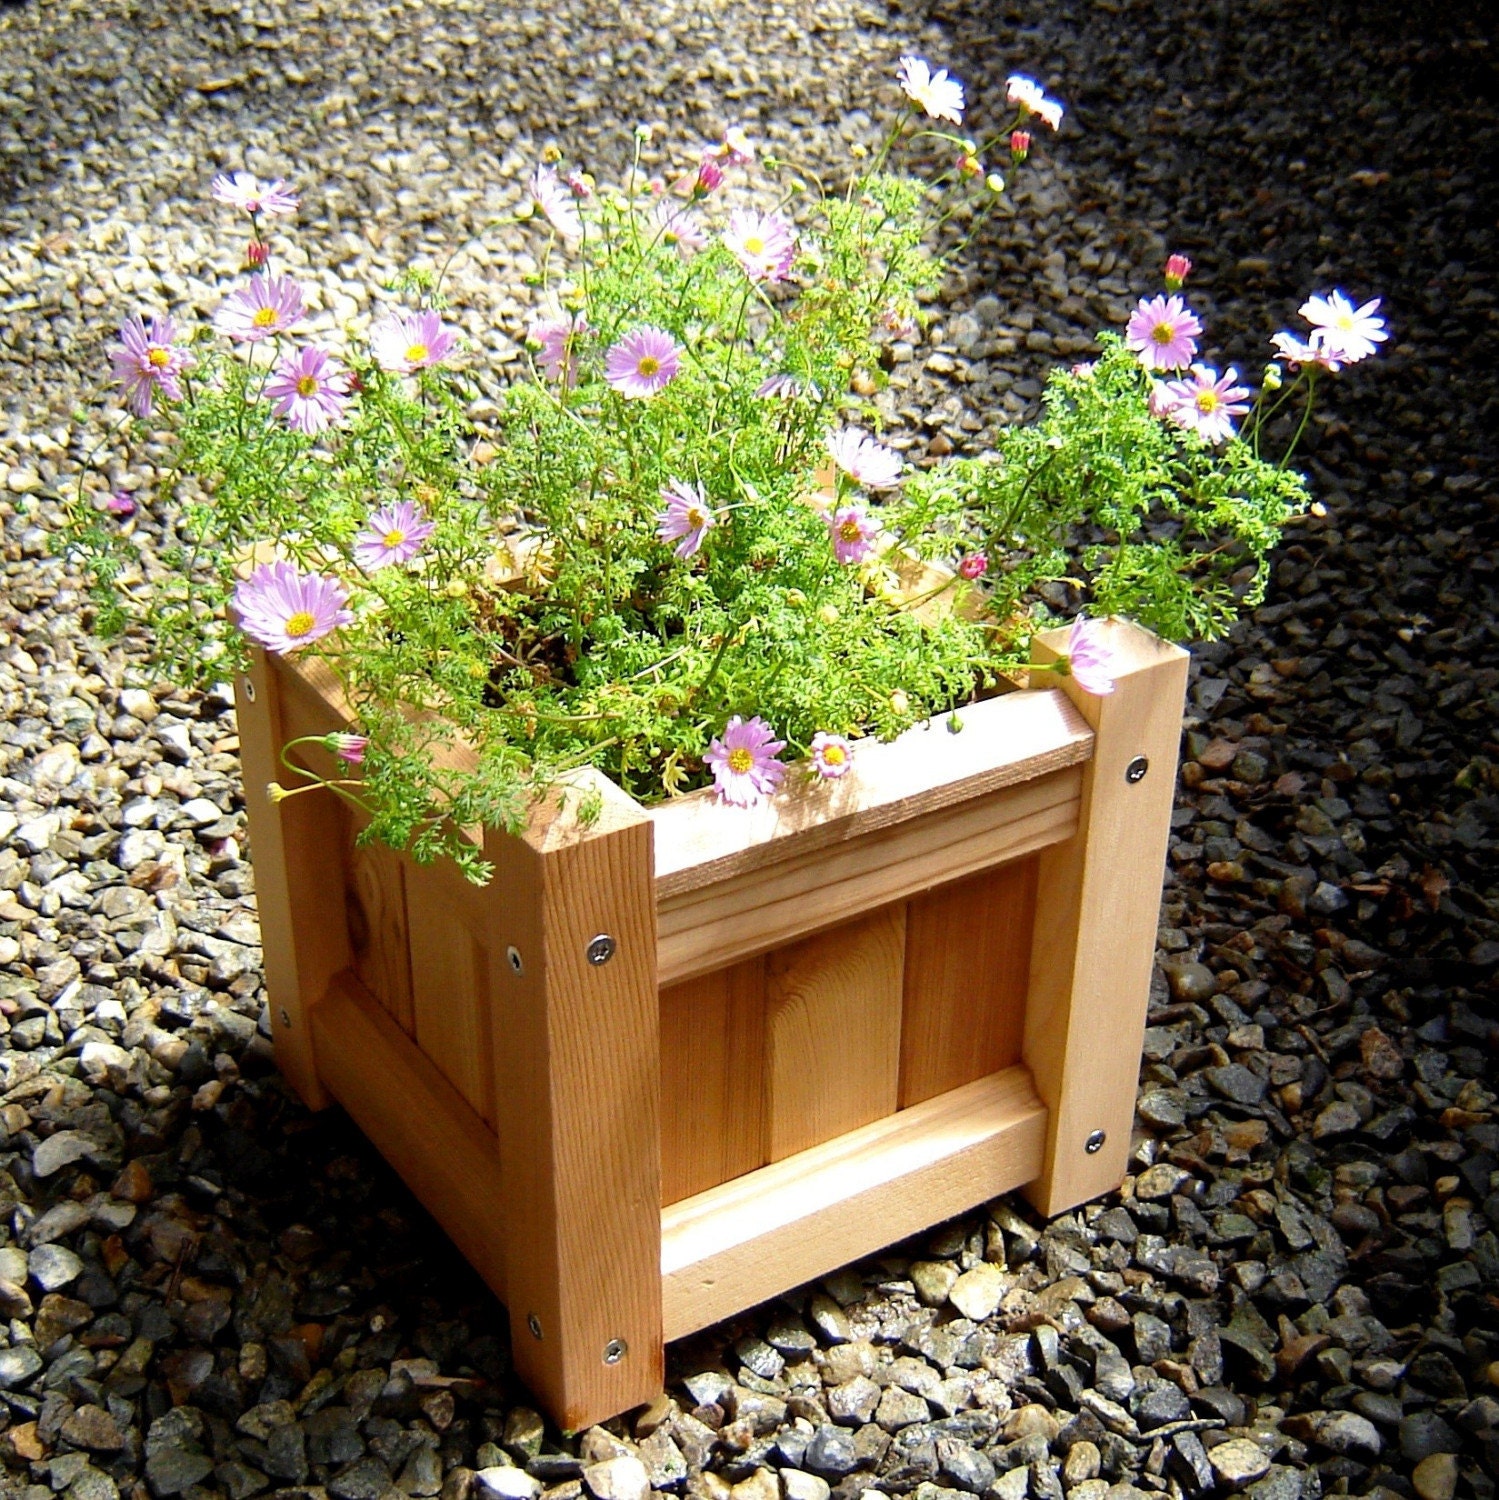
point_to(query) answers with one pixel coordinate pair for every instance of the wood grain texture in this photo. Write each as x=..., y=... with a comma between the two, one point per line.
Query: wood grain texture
x=1095, y=929
x=968, y=953
x=797, y=1219
x=577, y=1098
x=769, y=906
x=416, y=1120
x=1004, y=741
x=832, y=1055
x=378, y=931
x=712, y=1079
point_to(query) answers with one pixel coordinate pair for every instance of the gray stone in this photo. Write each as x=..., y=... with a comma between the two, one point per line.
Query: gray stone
x=364, y=1479
x=1423, y=1433
x=621, y=1478
x=934, y=1279
x=831, y=1451
x=17, y=1365
x=1348, y=1433
x=52, y=1267
x=1238, y=1462
x=900, y=1408
x=170, y=1470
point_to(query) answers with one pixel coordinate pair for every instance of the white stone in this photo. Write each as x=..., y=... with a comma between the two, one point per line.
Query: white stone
x=506, y=1483
x=618, y=1479
x=977, y=1293
x=799, y=1485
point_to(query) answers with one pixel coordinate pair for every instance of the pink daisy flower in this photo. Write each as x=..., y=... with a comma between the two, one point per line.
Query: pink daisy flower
x=737, y=149
x=243, y=191
x=310, y=389
x=120, y=504
x=784, y=388
x=1162, y=400
x=974, y=565
x=1295, y=352
x=938, y=93
x=394, y=534
x=1346, y=332
x=643, y=362
x=700, y=183
x=853, y=534
x=763, y=244
x=349, y=748
x=268, y=306
x=864, y=460
x=743, y=761
x=283, y=609
x=555, y=202
x=1089, y=660
x=146, y=361
x=831, y=756
x=403, y=342
x=1163, y=332
x=679, y=228
x=1207, y=404
x=1030, y=98
x=687, y=519
x=559, y=339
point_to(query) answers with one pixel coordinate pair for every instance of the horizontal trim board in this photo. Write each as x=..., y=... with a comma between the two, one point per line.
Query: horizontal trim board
x=739, y=1243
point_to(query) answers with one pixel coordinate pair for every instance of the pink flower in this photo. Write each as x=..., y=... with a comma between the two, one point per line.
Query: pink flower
x=257, y=254
x=1020, y=145
x=744, y=763
x=268, y=306
x=1178, y=268
x=243, y=191
x=283, y=609
x=1347, y=333
x=974, y=565
x=1294, y=352
x=899, y=323
x=939, y=94
x=644, y=361
x=832, y=756
x=784, y=388
x=555, y=202
x=737, y=148
x=394, y=534
x=864, y=460
x=120, y=504
x=146, y=361
x=1031, y=99
x=763, y=244
x=679, y=228
x=559, y=339
x=687, y=519
x=708, y=178
x=349, y=748
x=580, y=184
x=1089, y=660
x=1163, y=399
x=310, y=389
x=403, y=342
x=1207, y=404
x=1163, y=332
x=853, y=534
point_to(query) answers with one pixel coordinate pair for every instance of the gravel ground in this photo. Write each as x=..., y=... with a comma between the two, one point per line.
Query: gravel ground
x=1297, y=1291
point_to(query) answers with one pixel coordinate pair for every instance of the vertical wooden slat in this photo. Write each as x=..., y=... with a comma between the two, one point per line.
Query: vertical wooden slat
x=712, y=1079
x=299, y=880
x=577, y=1105
x=1100, y=896
x=968, y=949
x=378, y=931
x=833, y=1005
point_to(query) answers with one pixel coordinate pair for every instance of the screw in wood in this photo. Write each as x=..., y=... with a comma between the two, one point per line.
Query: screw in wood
x=1136, y=769
x=517, y=964
x=534, y=1324
x=600, y=950
x=614, y=1351
x=249, y=688
x=1094, y=1144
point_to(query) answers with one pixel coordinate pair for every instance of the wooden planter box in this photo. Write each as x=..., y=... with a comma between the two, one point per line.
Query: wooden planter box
x=667, y=1066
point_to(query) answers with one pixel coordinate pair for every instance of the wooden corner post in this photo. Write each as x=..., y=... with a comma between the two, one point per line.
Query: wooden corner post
x=299, y=880
x=577, y=1102
x=1094, y=938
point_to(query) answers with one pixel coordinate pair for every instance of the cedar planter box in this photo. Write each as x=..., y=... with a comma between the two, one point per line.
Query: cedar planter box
x=667, y=1066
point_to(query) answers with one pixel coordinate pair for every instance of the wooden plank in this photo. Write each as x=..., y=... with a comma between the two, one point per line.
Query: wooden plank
x=741, y=1243
x=1004, y=741
x=1096, y=919
x=712, y=1079
x=968, y=953
x=378, y=930
x=833, y=1006
x=416, y=1120
x=768, y=906
x=577, y=1098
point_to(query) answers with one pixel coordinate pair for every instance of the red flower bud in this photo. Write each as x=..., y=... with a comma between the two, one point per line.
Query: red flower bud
x=1020, y=145
x=257, y=253
x=1178, y=268
x=974, y=565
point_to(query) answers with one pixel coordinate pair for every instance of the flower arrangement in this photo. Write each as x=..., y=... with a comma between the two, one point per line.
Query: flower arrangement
x=672, y=552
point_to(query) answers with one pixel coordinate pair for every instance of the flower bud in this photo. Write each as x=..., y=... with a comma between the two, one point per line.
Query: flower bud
x=709, y=177
x=455, y=588
x=975, y=565
x=1273, y=380
x=120, y=504
x=899, y=702
x=275, y=792
x=795, y=598
x=257, y=253
x=828, y=614
x=1020, y=145
x=995, y=183
x=1178, y=268
x=551, y=155
x=969, y=165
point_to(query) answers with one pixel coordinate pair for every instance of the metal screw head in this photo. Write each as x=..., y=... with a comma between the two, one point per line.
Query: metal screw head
x=285, y=1016
x=614, y=1351
x=1094, y=1144
x=249, y=690
x=517, y=964
x=534, y=1324
x=600, y=950
x=1136, y=769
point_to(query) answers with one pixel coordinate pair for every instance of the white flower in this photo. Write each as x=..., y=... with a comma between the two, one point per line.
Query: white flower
x=864, y=460
x=939, y=94
x=555, y=201
x=1344, y=331
x=1032, y=100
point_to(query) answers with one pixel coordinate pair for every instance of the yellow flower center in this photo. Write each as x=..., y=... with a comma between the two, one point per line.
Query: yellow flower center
x=1163, y=333
x=307, y=386
x=649, y=365
x=300, y=624
x=1207, y=402
x=741, y=761
x=832, y=755
x=848, y=531
x=696, y=517
x=754, y=245
x=159, y=358
x=265, y=317
x=417, y=354
x=393, y=538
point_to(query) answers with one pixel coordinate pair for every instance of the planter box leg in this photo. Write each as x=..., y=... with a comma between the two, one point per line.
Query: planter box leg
x=577, y=1105
x=1094, y=939
x=298, y=848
